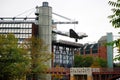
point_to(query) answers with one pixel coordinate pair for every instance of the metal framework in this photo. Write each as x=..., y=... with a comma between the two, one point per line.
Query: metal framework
x=64, y=53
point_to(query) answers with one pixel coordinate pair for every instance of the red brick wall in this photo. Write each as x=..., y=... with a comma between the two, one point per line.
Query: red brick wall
x=102, y=52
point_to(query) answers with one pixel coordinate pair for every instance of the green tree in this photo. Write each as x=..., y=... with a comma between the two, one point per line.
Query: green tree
x=115, y=20
x=18, y=60
x=102, y=62
x=13, y=60
x=83, y=61
x=115, y=17
x=78, y=61
x=89, y=61
x=99, y=62
x=39, y=56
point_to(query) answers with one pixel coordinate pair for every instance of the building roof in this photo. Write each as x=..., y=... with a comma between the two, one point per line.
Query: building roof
x=102, y=39
x=67, y=43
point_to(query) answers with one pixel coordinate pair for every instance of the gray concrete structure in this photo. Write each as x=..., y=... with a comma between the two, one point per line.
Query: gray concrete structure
x=45, y=27
x=45, y=23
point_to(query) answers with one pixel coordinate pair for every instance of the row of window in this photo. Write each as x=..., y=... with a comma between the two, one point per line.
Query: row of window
x=16, y=26
x=21, y=31
x=89, y=48
x=16, y=30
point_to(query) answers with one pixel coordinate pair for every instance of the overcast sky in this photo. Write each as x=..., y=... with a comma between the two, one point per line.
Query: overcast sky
x=91, y=14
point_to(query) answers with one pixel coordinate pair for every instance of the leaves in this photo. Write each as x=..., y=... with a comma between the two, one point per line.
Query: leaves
x=17, y=60
x=10, y=57
x=89, y=61
x=81, y=61
x=115, y=18
x=39, y=55
x=115, y=4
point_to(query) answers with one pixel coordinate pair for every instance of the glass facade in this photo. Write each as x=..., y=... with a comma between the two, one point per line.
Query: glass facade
x=89, y=49
x=20, y=30
x=63, y=56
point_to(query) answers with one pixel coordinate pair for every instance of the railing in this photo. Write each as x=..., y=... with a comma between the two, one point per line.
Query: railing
x=66, y=71
x=59, y=70
x=108, y=71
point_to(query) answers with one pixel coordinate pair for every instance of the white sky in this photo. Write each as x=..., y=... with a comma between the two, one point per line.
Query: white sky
x=91, y=14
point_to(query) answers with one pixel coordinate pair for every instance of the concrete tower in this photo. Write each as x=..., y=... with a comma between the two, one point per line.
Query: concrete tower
x=44, y=14
x=45, y=23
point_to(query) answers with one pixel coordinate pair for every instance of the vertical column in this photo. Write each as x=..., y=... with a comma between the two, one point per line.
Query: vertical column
x=110, y=50
x=44, y=29
x=72, y=77
x=89, y=77
x=45, y=23
x=89, y=73
x=91, y=51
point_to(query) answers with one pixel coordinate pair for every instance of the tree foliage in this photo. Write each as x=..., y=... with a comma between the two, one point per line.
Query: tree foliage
x=78, y=61
x=115, y=17
x=115, y=20
x=101, y=62
x=39, y=56
x=89, y=61
x=20, y=59
x=116, y=44
x=13, y=60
